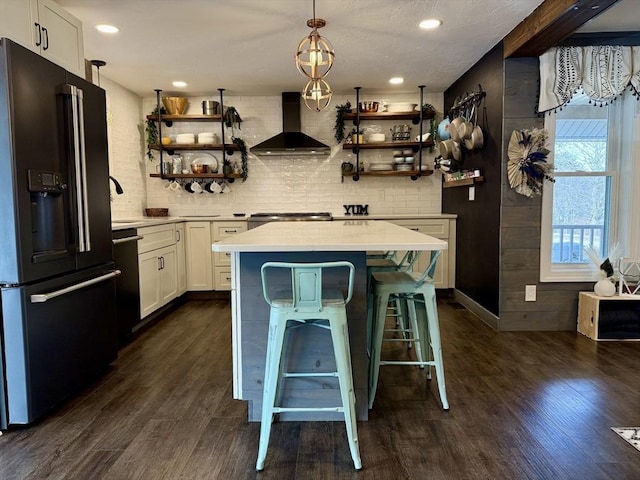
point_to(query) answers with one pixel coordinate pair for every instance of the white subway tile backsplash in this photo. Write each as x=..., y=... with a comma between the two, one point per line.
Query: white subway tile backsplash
x=274, y=183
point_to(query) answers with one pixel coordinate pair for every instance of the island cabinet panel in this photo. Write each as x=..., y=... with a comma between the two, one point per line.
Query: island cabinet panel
x=307, y=347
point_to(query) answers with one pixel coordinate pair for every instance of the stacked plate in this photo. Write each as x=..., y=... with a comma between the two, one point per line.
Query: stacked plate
x=207, y=137
x=380, y=167
x=403, y=167
x=401, y=107
x=185, y=138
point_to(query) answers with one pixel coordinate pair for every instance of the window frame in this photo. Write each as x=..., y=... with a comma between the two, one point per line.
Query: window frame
x=582, y=272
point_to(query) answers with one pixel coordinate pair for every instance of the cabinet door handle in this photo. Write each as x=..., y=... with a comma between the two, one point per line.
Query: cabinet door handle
x=177, y=235
x=39, y=40
x=227, y=254
x=162, y=262
x=415, y=229
x=231, y=231
x=46, y=38
x=159, y=263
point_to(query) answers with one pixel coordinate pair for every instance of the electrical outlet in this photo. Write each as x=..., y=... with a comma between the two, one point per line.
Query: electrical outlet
x=472, y=193
x=529, y=293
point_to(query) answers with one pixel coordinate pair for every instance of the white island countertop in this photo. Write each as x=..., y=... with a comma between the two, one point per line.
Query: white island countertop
x=347, y=236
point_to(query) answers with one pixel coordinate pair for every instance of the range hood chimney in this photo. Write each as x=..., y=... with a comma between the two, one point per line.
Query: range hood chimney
x=291, y=141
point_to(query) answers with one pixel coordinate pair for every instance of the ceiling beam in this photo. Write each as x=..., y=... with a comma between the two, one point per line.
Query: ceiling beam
x=550, y=23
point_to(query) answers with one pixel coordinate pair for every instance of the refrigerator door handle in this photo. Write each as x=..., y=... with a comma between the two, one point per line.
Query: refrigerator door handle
x=77, y=122
x=43, y=297
x=83, y=162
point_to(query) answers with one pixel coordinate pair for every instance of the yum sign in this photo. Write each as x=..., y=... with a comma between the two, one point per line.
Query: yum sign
x=356, y=209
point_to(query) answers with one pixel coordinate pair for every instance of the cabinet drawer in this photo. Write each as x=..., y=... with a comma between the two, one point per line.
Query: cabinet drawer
x=434, y=227
x=220, y=230
x=222, y=259
x=158, y=236
x=222, y=278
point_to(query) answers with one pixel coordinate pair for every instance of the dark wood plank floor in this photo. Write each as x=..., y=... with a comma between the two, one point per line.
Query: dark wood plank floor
x=523, y=406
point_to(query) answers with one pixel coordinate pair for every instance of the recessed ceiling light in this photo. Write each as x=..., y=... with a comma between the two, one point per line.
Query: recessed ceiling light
x=430, y=23
x=179, y=84
x=396, y=80
x=107, y=28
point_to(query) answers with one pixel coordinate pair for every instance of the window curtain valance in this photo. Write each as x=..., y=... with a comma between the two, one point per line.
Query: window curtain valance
x=602, y=71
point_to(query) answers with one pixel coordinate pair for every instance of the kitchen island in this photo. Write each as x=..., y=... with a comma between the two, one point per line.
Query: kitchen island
x=305, y=242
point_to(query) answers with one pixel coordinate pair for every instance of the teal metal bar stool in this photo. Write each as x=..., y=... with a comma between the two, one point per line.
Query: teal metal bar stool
x=388, y=263
x=416, y=295
x=307, y=303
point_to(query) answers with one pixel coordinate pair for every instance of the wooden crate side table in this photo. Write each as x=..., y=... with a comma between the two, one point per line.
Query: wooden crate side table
x=609, y=318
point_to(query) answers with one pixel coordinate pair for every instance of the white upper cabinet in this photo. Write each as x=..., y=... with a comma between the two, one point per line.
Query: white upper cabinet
x=46, y=28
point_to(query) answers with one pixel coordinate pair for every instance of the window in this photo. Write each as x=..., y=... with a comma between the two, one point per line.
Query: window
x=590, y=201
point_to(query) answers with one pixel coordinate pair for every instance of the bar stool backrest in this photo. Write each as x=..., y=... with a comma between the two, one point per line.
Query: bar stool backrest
x=306, y=288
x=429, y=272
x=408, y=260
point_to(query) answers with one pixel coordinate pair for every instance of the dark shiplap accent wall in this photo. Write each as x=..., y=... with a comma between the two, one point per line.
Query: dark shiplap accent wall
x=478, y=224
x=498, y=243
x=556, y=305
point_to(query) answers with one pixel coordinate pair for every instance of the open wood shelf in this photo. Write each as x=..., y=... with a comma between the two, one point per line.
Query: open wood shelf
x=389, y=115
x=388, y=145
x=194, y=146
x=390, y=173
x=186, y=118
x=195, y=175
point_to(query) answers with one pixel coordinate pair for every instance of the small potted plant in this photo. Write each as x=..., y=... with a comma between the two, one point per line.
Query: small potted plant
x=347, y=167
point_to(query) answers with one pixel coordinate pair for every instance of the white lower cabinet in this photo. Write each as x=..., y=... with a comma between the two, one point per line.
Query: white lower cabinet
x=198, y=256
x=222, y=260
x=442, y=228
x=207, y=270
x=181, y=258
x=158, y=267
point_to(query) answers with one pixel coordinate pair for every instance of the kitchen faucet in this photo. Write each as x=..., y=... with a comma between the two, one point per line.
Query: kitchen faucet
x=119, y=189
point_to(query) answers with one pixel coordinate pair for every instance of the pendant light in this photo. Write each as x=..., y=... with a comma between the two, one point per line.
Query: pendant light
x=314, y=59
x=317, y=94
x=315, y=54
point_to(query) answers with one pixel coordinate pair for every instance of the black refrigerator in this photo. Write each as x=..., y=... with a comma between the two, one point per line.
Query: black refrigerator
x=57, y=277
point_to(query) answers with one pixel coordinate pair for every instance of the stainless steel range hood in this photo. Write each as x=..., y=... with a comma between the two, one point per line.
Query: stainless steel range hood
x=291, y=141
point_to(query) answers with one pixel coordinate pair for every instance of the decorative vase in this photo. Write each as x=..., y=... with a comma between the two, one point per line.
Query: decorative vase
x=604, y=288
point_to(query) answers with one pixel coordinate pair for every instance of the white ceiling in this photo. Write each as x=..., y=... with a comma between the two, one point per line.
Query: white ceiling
x=248, y=46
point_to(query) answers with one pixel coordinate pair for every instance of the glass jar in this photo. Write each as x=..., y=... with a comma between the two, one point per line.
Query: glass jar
x=177, y=164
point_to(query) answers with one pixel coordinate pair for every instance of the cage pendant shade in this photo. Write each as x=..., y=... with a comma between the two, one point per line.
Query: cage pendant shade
x=317, y=94
x=315, y=54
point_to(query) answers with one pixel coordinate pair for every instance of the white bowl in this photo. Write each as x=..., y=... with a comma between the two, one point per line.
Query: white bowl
x=401, y=107
x=377, y=137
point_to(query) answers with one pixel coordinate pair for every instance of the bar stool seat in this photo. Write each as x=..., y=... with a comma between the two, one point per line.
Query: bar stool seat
x=416, y=295
x=307, y=303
